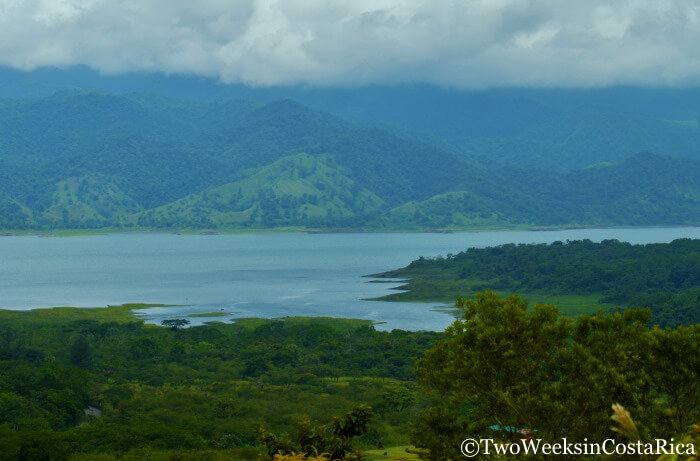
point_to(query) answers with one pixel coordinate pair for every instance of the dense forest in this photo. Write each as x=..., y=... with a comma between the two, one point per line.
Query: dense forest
x=99, y=381
x=98, y=384
x=82, y=159
x=663, y=277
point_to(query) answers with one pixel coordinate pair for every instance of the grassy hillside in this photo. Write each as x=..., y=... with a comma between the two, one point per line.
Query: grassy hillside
x=463, y=209
x=296, y=190
x=89, y=201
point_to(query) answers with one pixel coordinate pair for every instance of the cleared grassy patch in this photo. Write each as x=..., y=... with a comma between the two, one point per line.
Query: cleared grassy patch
x=53, y=315
x=570, y=305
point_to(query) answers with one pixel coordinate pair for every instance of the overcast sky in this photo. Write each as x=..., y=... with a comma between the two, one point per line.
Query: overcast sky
x=461, y=43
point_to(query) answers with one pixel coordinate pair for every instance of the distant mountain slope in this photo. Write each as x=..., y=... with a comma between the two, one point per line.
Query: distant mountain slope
x=550, y=128
x=316, y=191
x=88, y=201
x=14, y=215
x=158, y=150
x=651, y=189
x=529, y=128
x=297, y=190
x=453, y=209
x=394, y=168
x=646, y=189
x=587, y=135
x=155, y=150
x=84, y=159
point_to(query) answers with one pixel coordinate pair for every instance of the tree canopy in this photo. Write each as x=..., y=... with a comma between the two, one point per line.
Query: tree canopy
x=504, y=368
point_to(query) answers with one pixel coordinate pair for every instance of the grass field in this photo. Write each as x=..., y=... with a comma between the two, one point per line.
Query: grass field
x=55, y=315
x=570, y=305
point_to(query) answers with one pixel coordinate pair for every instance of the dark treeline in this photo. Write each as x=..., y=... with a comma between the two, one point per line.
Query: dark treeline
x=664, y=277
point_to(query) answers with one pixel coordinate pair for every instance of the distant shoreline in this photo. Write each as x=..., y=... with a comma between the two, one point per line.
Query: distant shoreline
x=288, y=230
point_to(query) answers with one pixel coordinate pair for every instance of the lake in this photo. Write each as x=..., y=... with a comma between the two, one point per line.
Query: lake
x=250, y=275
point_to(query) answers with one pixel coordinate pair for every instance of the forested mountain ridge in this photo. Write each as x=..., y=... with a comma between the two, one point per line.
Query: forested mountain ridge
x=551, y=128
x=81, y=159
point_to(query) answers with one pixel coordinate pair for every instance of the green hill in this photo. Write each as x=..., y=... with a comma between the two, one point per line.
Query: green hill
x=453, y=209
x=88, y=201
x=296, y=190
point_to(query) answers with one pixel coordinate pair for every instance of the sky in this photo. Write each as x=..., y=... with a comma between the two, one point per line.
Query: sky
x=460, y=43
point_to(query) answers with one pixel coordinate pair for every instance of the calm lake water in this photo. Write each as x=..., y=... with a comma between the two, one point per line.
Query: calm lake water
x=252, y=275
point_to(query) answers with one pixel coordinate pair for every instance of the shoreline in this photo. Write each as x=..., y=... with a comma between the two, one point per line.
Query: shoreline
x=292, y=230
x=128, y=313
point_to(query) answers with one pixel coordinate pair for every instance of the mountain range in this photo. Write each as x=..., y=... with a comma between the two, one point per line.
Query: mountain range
x=89, y=159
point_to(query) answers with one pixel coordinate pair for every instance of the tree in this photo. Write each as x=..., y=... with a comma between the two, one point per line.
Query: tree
x=352, y=424
x=505, y=368
x=497, y=363
x=81, y=355
x=333, y=440
x=175, y=324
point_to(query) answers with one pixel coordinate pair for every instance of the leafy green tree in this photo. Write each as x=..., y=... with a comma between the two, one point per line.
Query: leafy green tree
x=504, y=369
x=333, y=439
x=675, y=370
x=81, y=355
x=397, y=398
x=497, y=364
x=352, y=424
x=441, y=430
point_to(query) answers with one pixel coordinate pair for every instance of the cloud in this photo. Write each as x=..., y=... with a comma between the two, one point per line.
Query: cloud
x=462, y=43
